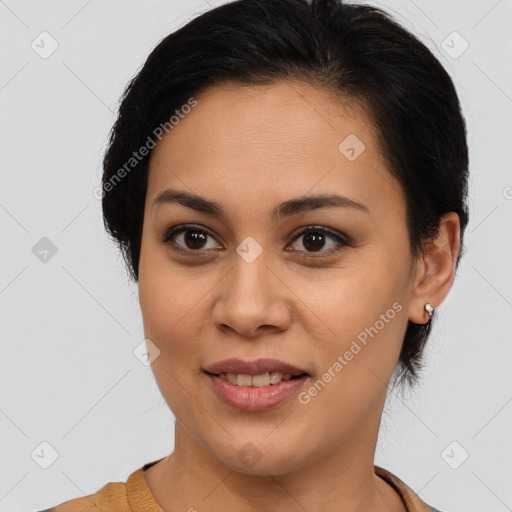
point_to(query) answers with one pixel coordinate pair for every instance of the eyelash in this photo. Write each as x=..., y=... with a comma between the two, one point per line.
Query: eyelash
x=343, y=240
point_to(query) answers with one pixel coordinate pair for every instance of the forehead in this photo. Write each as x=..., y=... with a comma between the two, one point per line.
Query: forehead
x=283, y=139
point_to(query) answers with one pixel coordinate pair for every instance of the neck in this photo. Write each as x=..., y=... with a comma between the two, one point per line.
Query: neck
x=342, y=480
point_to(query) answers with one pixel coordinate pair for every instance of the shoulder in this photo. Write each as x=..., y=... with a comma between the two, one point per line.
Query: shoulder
x=112, y=497
x=134, y=494
x=411, y=500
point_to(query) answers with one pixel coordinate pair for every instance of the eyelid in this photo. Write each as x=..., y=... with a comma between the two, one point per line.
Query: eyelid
x=324, y=229
x=187, y=227
x=339, y=237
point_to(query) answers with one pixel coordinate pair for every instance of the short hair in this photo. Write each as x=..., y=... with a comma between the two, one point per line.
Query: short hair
x=356, y=51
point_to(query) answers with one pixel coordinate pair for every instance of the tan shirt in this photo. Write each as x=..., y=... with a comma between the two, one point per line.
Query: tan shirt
x=135, y=496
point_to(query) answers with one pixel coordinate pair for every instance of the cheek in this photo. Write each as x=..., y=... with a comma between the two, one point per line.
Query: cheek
x=359, y=353
x=355, y=296
x=169, y=308
x=170, y=297
x=365, y=313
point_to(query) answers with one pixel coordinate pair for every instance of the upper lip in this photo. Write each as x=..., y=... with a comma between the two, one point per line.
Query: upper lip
x=256, y=367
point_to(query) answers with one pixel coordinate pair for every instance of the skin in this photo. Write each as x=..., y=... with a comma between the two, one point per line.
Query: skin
x=250, y=148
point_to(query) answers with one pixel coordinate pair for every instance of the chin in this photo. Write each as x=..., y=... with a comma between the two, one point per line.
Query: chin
x=261, y=458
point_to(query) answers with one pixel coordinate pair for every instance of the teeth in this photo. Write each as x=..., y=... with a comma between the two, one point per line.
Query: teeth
x=276, y=377
x=257, y=381
x=230, y=377
x=243, y=380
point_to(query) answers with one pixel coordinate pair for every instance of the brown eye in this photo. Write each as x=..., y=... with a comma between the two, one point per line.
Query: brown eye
x=189, y=239
x=315, y=239
x=194, y=239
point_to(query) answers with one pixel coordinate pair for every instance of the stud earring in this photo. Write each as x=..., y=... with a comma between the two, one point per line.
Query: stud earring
x=429, y=309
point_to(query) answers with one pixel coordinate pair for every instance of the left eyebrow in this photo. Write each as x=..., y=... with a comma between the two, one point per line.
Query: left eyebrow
x=308, y=203
x=285, y=209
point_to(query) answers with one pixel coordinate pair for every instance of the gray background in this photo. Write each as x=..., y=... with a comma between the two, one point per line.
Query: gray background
x=69, y=325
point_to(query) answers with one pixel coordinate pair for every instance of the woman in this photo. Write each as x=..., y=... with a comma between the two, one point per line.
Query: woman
x=287, y=182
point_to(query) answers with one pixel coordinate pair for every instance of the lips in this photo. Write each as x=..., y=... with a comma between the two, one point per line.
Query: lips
x=256, y=367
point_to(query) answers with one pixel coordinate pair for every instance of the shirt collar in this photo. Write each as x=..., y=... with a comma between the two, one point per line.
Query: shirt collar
x=141, y=498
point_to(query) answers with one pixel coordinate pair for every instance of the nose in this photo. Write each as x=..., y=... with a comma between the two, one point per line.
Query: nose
x=252, y=299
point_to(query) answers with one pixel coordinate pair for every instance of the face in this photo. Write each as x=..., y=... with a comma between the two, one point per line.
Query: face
x=323, y=286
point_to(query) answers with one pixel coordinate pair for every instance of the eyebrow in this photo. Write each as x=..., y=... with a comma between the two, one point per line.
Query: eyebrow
x=285, y=209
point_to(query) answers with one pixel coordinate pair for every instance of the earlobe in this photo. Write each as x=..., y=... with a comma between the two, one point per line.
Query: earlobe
x=437, y=270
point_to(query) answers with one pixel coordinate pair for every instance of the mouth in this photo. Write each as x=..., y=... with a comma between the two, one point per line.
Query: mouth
x=259, y=397
x=255, y=368
x=257, y=381
x=255, y=385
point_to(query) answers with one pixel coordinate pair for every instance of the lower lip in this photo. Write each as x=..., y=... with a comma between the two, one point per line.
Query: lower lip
x=256, y=399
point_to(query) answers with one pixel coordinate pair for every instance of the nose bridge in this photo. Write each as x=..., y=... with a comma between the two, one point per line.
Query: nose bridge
x=251, y=295
x=250, y=275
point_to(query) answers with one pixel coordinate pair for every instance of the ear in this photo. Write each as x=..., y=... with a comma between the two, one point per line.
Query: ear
x=435, y=270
